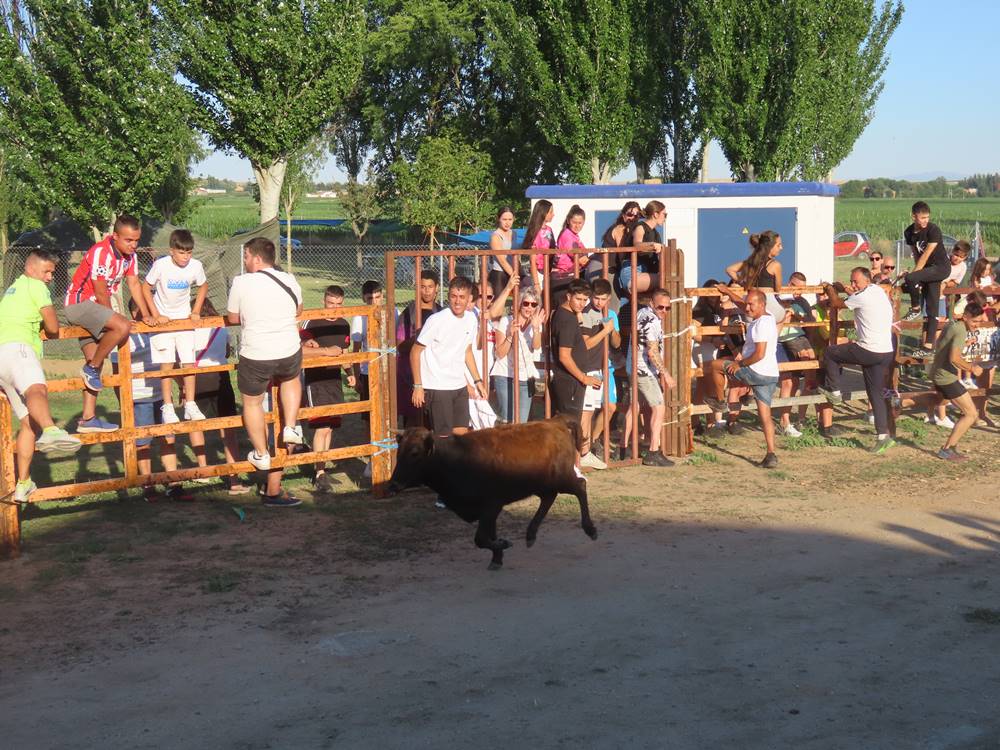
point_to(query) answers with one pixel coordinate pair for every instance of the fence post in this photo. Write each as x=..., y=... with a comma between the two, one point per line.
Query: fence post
x=10, y=523
x=381, y=462
x=677, y=420
x=390, y=336
x=129, y=451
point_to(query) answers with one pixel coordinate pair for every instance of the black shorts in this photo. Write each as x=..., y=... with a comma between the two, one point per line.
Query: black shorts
x=952, y=390
x=324, y=393
x=220, y=402
x=254, y=375
x=567, y=395
x=447, y=409
x=794, y=347
x=361, y=386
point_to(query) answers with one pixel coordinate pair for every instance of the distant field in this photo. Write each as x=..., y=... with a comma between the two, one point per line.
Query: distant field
x=884, y=219
x=221, y=216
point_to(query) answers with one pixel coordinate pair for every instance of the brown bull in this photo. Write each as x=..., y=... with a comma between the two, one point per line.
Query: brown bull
x=478, y=473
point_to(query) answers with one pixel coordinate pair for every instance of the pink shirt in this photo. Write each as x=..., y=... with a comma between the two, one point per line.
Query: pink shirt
x=568, y=240
x=543, y=241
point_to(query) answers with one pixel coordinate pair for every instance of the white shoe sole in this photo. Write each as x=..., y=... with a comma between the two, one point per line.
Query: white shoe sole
x=291, y=437
x=61, y=446
x=261, y=464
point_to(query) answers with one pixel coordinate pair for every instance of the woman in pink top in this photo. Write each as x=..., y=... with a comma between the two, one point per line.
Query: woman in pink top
x=539, y=236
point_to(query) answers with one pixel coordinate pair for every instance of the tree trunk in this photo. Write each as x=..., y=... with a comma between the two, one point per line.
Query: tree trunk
x=288, y=243
x=704, y=161
x=96, y=233
x=269, y=181
x=3, y=238
x=599, y=171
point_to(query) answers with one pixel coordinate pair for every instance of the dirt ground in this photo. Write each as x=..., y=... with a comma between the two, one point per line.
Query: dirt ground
x=843, y=601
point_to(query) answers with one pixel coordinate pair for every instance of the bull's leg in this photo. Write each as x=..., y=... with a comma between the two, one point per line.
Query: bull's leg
x=543, y=509
x=486, y=537
x=581, y=494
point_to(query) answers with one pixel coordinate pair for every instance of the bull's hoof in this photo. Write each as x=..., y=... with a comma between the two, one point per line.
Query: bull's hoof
x=494, y=566
x=591, y=532
x=504, y=544
x=530, y=541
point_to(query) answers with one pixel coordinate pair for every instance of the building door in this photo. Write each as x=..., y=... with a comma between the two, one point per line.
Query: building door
x=724, y=237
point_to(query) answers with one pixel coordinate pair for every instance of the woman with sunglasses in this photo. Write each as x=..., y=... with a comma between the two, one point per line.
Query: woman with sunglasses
x=645, y=235
x=521, y=329
x=614, y=236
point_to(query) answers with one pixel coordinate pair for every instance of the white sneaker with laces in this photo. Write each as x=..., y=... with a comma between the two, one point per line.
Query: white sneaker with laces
x=168, y=415
x=592, y=462
x=192, y=412
x=262, y=462
x=946, y=423
x=292, y=435
x=791, y=431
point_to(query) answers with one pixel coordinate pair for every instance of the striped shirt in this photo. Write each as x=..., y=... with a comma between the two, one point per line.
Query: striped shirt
x=102, y=261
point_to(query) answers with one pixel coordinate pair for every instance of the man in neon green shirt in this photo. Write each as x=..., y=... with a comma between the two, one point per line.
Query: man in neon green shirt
x=25, y=309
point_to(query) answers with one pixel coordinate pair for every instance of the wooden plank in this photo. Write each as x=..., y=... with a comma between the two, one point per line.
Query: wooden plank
x=127, y=411
x=10, y=522
x=72, y=491
x=381, y=462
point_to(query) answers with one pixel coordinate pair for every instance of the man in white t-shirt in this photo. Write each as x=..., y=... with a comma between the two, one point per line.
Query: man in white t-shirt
x=756, y=366
x=167, y=290
x=266, y=302
x=873, y=350
x=440, y=358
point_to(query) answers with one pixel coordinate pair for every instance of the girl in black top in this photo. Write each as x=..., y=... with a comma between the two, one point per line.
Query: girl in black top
x=644, y=233
x=761, y=270
x=615, y=236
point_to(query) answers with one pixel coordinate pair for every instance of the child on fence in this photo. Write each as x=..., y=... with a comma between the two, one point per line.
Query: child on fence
x=146, y=402
x=215, y=396
x=171, y=277
x=326, y=337
x=25, y=308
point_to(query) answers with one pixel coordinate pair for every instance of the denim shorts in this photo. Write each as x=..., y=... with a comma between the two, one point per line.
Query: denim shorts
x=763, y=386
x=625, y=275
x=147, y=413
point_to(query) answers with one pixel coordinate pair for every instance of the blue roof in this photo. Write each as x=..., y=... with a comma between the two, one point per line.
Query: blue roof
x=483, y=237
x=315, y=222
x=685, y=190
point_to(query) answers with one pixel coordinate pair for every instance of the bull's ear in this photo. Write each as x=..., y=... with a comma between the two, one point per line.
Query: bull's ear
x=429, y=443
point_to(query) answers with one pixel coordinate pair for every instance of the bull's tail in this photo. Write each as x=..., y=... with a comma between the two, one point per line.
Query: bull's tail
x=574, y=428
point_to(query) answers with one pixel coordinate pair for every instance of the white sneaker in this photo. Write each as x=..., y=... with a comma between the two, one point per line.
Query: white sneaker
x=871, y=418
x=168, y=414
x=592, y=462
x=262, y=462
x=192, y=412
x=23, y=490
x=292, y=435
x=790, y=431
x=946, y=423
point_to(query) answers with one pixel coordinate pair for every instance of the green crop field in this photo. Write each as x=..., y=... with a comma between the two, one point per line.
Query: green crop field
x=220, y=216
x=884, y=219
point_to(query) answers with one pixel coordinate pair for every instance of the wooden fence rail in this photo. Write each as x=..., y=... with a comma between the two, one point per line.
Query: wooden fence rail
x=377, y=448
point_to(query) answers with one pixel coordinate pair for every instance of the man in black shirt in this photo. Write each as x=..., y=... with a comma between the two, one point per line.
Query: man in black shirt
x=569, y=380
x=932, y=267
x=326, y=337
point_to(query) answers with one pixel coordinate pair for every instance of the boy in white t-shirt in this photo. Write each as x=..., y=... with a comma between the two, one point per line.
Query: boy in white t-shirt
x=440, y=358
x=167, y=290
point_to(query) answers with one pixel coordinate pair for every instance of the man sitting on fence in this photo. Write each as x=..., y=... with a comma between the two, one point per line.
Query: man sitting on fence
x=756, y=366
x=90, y=303
x=266, y=302
x=872, y=350
x=26, y=306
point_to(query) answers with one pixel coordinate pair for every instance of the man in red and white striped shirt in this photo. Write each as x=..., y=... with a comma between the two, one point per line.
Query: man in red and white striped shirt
x=89, y=304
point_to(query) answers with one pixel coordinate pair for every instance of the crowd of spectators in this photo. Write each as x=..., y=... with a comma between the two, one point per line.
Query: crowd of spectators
x=477, y=362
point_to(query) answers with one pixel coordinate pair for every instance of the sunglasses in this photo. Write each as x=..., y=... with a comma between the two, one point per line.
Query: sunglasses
x=662, y=307
x=876, y=258
x=529, y=304
x=888, y=268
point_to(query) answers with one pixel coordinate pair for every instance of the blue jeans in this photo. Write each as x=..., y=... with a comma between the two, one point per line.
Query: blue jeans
x=504, y=387
x=763, y=386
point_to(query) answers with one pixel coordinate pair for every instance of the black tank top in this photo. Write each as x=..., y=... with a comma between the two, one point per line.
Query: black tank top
x=766, y=279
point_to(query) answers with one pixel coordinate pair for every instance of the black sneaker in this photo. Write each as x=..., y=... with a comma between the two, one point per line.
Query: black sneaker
x=770, y=462
x=322, y=482
x=656, y=459
x=281, y=500
x=735, y=428
x=831, y=432
x=597, y=448
x=915, y=313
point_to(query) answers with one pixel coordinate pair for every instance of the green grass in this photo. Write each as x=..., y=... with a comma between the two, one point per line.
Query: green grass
x=885, y=219
x=217, y=217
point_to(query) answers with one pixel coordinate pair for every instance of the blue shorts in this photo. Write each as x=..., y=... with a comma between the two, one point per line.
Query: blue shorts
x=146, y=413
x=625, y=275
x=763, y=386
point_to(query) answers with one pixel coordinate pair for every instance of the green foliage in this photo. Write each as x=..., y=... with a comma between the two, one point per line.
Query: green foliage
x=572, y=60
x=445, y=187
x=361, y=204
x=788, y=87
x=21, y=207
x=173, y=198
x=267, y=77
x=98, y=134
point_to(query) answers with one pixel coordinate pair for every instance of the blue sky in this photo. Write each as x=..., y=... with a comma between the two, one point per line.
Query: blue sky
x=938, y=113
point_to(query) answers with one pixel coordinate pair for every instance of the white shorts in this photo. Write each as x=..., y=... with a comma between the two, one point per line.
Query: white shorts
x=171, y=347
x=19, y=370
x=593, y=398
